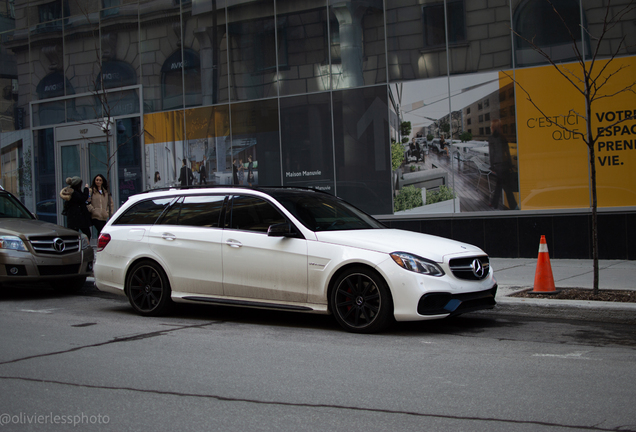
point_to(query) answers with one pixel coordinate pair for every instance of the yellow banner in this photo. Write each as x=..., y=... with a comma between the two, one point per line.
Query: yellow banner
x=207, y=122
x=163, y=127
x=553, y=160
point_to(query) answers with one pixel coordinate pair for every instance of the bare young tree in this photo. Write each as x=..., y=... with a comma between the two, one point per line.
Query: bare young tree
x=590, y=77
x=110, y=92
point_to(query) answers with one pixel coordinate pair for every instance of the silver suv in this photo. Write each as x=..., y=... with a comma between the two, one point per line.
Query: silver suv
x=38, y=251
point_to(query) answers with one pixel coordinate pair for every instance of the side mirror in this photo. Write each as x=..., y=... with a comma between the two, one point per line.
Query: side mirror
x=281, y=230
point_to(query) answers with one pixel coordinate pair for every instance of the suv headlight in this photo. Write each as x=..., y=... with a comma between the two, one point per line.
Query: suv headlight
x=12, y=242
x=85, y=241
x=416, y=264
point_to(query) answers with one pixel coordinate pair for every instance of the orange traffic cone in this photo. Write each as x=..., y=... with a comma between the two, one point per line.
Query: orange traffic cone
x=543, y=279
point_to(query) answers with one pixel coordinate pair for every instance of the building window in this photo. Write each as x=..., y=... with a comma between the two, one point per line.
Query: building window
x=433, y=16
x=469, y=121
x=480, y=106
x=487, y=117
x=481, y=118
x=468, y=110
x=50, y=11
x=11, y=169
x=481, y=131
x=264, y=44
x=110, y=7
x=171, y=79
x=486, y=103
x=538, y=22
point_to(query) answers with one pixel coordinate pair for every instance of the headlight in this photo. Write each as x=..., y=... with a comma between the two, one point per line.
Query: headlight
x=13, y=243
x=85, y=242
x=417, y=264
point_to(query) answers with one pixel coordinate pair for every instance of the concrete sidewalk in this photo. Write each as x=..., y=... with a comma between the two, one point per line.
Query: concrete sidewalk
x=613, y=275
x=514, y=275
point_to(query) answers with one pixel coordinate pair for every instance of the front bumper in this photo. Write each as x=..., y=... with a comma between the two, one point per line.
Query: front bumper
x=18, y=267
x=441, y=303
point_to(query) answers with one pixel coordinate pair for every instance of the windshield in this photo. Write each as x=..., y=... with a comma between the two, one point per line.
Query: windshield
x=11, y=208
x=322, y=212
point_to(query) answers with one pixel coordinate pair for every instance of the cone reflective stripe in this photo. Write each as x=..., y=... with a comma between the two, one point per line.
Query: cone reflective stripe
x=543, y=279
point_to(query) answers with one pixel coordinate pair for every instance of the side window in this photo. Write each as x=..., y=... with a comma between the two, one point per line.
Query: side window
x=198, y=210
x=144, y=212
x=253, y=214
x=172, y=214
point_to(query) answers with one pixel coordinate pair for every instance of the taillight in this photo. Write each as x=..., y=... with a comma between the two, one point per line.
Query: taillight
x=102, y=241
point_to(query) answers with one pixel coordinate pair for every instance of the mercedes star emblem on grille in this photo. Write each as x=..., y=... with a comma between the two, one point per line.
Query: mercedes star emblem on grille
x=478, y=268
x=58, y=244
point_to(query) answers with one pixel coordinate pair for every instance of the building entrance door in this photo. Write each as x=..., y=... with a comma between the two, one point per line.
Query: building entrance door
x=80, y=154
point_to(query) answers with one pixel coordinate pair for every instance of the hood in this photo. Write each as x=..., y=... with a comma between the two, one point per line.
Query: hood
x=33, y=227
x=393, y=240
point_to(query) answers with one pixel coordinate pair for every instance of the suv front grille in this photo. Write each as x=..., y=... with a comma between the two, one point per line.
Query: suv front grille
x=46, y=245
x=469, y=269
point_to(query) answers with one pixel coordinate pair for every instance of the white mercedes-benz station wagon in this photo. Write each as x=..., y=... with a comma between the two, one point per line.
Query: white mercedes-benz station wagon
x=285, y=249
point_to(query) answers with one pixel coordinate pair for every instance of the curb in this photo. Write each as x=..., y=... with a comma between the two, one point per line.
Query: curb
x=505, y=298
x=589, y=310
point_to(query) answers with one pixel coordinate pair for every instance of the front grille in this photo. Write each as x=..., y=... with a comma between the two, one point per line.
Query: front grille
x=58, y=270
x=46, y=245
x=465, y=268
x=455, y=304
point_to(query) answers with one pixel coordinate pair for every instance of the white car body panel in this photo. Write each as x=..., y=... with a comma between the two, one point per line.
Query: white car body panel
x=194, y=255
x=257, y=266
x=394, y=240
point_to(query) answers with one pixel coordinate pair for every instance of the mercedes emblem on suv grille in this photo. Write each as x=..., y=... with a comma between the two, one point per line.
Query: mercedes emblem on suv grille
x=58, y=245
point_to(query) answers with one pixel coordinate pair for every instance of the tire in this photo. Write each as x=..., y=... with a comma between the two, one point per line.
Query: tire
x=148, y=289
x=360, y=301
x=68, y=286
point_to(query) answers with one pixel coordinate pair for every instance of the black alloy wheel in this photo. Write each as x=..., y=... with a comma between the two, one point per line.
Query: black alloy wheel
x=360, y=301
x=148, y=289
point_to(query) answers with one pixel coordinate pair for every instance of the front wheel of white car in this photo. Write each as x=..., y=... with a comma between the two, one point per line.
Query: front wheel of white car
x=148, y=289
x=360, y=301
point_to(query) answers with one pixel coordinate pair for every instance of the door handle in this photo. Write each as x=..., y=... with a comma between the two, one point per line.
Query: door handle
x=168, y=236
x=234, y=243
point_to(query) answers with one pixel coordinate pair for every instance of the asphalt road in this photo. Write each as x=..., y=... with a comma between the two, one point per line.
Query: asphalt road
x=88, y=361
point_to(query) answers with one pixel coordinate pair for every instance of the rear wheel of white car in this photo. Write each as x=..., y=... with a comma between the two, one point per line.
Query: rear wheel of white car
x=148, y=289
x=360, y=301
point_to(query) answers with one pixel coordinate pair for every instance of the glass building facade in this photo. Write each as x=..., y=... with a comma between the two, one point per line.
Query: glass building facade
x=391, y=105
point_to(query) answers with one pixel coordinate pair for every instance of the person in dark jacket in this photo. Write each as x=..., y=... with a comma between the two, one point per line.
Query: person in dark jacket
x=500, y=165
x=186, y=177
x=203, y=175
x=77, y=215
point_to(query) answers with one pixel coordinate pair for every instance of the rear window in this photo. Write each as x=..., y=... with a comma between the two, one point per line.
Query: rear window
x=144, y=212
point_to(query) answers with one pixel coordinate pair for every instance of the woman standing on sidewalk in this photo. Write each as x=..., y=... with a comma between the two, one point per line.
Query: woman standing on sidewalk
x=100, y=202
